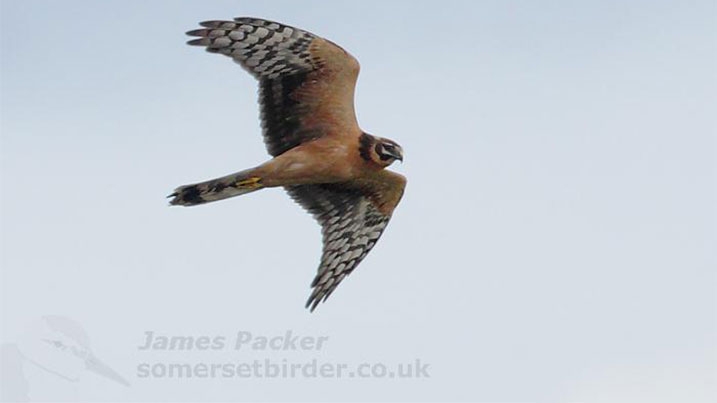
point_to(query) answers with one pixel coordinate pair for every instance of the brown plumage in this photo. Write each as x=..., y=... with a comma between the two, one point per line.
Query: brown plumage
x=320, y=155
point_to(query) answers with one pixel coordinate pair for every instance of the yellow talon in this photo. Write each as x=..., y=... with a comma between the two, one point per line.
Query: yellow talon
x=251, y=183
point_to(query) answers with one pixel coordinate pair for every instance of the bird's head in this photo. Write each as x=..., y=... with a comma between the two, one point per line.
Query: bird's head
x=380, y=150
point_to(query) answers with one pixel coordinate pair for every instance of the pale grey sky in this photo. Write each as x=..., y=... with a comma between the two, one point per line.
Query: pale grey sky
x=556, y=240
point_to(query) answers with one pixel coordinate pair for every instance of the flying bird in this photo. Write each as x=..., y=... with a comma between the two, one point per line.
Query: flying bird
x=321, y=157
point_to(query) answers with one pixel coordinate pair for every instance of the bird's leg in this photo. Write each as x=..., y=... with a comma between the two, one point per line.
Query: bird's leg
x=253, y=183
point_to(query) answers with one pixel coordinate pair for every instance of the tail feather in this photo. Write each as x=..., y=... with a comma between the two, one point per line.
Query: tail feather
x=216, y=189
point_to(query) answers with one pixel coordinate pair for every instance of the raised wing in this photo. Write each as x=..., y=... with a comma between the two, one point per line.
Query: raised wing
x=352, y=216
x=306, y=83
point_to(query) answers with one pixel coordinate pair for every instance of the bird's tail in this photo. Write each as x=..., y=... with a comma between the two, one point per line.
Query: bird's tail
x=216, y=189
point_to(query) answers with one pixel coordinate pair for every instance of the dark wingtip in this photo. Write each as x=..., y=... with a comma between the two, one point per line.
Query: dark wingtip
x=218, y=24
x=209, y=24
x=197, y=32
x=199, y=42
x=312, y=304
x=316, y=298
x=313, y=300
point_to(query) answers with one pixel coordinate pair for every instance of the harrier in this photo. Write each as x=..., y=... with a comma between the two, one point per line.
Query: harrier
x=321, y=157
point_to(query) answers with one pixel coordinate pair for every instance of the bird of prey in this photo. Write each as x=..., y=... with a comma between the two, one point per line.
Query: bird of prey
x=321, y=157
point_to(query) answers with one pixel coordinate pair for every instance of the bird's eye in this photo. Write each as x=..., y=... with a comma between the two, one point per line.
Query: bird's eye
x=383, y=151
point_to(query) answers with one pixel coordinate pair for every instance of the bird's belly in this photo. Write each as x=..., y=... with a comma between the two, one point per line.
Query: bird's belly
x=300, y=167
